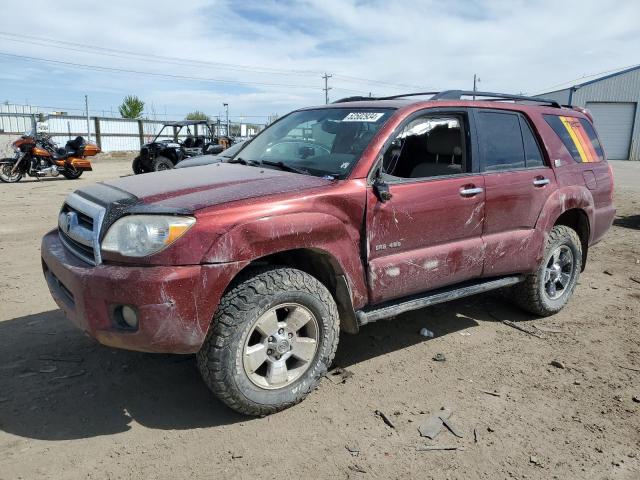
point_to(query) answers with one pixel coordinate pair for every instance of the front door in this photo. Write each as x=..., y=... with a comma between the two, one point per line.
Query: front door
x=429, y=233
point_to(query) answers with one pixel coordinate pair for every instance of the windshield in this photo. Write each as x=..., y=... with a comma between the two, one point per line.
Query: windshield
x=322, y=142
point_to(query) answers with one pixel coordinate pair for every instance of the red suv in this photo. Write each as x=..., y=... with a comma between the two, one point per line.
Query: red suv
x=331, y=218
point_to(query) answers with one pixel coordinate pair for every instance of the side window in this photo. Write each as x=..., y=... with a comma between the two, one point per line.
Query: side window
x=500, y=141
x=578, y=136
x=593, y=139
x=532, y=154
x=428, y=146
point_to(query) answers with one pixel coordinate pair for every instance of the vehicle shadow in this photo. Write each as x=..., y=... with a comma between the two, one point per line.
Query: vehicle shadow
x=629, y=221
x=403, y=331
x=57, y=384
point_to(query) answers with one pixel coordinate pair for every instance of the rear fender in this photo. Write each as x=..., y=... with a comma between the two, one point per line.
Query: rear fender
x=566, y=198
x=271, y=235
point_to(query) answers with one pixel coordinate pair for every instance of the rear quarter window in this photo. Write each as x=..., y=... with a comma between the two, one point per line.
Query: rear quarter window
x=578, y=136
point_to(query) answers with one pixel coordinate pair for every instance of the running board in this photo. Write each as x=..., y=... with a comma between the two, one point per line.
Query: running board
x=416, y=302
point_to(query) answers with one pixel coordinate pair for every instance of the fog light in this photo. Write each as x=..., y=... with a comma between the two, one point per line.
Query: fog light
x=128, y=317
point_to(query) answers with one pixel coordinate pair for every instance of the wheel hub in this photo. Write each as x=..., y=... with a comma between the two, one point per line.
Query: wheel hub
x=559, y=272
x=280, y=346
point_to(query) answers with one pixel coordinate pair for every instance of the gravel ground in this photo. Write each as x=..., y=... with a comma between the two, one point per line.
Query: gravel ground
x=70, y=408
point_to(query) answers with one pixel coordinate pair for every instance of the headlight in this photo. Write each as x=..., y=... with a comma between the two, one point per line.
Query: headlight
x=143, y=235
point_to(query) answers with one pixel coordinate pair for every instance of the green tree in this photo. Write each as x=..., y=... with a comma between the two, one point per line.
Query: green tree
x=132, y=107
x=196, y=115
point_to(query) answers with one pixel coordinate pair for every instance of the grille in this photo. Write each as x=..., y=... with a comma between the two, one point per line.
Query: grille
x=79, y=227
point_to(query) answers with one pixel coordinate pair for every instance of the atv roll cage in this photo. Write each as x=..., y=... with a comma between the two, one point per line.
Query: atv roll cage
x=210, y=129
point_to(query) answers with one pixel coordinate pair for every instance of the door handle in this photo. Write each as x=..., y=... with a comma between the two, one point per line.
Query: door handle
x=540, y=182
x=471, y=191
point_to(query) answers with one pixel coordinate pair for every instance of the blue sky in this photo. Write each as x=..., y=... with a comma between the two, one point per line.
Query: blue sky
x=268, y=57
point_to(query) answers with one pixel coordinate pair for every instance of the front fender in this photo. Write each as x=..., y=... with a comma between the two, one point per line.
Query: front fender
x=276, y=234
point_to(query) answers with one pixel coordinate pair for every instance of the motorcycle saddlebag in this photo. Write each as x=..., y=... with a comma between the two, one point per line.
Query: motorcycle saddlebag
x=80, y=164
x=90, y=149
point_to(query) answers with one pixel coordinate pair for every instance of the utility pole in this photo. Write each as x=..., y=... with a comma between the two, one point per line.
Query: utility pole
x=86, y=106
x=326, y=87
x=226, y=105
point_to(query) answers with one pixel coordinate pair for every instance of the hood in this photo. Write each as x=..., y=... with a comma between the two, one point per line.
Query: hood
x=191, y=189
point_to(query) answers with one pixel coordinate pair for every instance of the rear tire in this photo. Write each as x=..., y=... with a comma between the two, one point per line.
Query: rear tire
x=162, y=163
x=5, y=172
x=273, y=337
x=72, y=174
x=549, y=289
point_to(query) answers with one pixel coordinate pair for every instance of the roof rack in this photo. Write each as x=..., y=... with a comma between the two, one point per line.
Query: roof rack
x=356, y=98
x=457, y=95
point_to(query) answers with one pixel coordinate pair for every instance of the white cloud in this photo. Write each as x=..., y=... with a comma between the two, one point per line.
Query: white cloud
x=513, y=45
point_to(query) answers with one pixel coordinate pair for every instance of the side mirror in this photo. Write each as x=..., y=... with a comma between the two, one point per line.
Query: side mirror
x=381, y=189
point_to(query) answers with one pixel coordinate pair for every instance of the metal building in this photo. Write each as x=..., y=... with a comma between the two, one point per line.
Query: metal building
x=613, y=102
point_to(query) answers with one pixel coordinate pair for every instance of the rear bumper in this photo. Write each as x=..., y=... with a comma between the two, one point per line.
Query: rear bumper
x=602, y=220
x=175, y=305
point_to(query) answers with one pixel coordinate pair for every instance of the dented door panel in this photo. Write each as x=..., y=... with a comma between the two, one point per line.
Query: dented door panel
x=514, y=200
x=427, y=236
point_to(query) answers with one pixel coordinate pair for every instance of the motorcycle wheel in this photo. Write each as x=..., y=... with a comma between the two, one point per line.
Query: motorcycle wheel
x=162, y=163
x=72, y=174
x=5, y=172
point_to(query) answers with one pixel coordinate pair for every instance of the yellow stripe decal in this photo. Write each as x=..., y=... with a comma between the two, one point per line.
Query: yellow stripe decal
x=575, y=139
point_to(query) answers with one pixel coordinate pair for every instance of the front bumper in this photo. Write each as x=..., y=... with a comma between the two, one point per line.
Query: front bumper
x=175, y=305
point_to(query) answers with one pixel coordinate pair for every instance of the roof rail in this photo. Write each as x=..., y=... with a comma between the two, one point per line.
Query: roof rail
x=458, y=94
x=356, y=98
x=418, y=94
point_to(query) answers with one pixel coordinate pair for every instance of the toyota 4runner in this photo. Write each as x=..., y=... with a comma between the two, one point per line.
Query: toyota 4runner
x=331, y=218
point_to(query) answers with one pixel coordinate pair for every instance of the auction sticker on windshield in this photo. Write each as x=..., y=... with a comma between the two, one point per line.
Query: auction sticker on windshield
x=363, y=117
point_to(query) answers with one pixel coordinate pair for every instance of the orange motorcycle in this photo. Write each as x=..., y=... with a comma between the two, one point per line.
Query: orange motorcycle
x=38, y=156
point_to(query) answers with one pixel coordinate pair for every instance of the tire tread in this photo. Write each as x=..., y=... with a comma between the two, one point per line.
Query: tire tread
x=230, y=316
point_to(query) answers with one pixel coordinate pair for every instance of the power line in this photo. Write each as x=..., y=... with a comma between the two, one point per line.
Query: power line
x=157, y=74
x=570, y=83
x=50, y=42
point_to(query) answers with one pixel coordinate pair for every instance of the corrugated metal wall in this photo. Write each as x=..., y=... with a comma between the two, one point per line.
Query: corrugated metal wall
x=116, y=134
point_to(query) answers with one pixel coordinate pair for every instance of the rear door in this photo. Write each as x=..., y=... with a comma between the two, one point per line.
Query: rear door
x=518, y=181
x=428, y=234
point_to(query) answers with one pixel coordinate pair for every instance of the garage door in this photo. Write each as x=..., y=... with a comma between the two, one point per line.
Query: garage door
x=614, y=122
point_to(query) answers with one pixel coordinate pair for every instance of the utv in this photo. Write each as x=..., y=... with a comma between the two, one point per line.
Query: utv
x=164, y=154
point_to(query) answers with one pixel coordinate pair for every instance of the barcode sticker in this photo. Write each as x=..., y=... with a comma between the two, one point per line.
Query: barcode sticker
x=363, y=117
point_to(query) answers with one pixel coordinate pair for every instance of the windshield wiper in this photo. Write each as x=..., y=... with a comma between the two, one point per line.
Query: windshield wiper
x=284, y=166
x=242, y=161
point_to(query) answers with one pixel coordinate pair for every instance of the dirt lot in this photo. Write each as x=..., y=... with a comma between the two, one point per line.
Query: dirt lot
x=70, y=408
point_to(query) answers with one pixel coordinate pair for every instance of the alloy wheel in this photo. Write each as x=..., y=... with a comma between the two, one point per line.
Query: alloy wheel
x=558, y=272
x=280, y=346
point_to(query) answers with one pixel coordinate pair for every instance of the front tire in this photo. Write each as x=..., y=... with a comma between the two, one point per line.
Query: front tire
x=162, y=163
x=273, y=337
x=137, y=167
x=549, y=289
x=5, y=172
